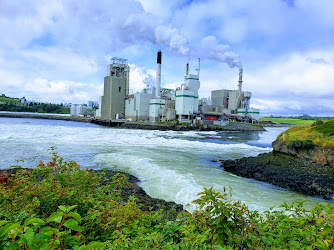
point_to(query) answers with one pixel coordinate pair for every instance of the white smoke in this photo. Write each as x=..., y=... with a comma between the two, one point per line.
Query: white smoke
x=173, y=39
x=220, y=52
x=139, y=26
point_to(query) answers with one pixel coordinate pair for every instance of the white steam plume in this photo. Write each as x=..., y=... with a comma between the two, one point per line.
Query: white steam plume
x=141, y=27
x=223, y=53
x=173, y=39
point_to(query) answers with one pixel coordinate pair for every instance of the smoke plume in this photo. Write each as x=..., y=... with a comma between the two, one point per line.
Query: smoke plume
x=173, y=39
x=223, y=53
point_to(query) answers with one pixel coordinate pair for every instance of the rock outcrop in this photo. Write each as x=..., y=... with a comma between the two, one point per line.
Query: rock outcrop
x=286, y=171
x=321, y=155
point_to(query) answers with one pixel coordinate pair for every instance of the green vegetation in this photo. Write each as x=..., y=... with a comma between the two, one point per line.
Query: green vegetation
x=319, y=133
x=5, y=99
x=60, y=206
x=291, y=121
x=15, y=105
x=35, y=108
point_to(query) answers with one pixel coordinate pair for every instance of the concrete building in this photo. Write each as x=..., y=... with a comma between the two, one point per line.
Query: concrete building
x=78, y=110
x=137, y=106
x=116, y=88
x=158, y=104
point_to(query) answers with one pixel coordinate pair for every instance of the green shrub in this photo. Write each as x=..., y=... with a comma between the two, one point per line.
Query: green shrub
x=317, y=123
x=308, y=144
x=43, y=208
x=326, y=128
x=296, y=144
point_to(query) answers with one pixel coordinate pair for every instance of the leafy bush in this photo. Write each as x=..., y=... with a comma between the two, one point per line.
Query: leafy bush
x=317, y=123
x=297, y=144
x=58, y=205
x=326, y=128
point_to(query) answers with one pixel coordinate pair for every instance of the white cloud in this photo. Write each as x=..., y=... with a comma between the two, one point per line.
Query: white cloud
x=141, y=77
x=69, y=91
x=57, y=61
x=53, y=43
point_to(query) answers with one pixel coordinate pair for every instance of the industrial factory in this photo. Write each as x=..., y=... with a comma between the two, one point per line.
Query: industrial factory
x=157, y=104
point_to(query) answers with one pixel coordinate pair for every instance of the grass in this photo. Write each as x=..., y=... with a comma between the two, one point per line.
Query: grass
x=8, y=99
x=287, y=120
x=321, y=135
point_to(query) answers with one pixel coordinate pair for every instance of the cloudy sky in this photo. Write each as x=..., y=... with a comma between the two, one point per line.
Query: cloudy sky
x=54, y=50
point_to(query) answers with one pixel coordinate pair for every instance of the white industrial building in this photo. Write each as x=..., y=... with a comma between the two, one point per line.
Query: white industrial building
x=78, y=110
x=158, y=104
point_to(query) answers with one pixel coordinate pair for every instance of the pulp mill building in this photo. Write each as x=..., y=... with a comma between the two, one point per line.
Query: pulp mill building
x=158, y=104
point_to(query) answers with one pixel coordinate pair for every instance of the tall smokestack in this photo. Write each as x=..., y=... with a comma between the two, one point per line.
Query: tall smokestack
x=158, y=76
x=187, y=69
x=199, y=62
x=240, y=79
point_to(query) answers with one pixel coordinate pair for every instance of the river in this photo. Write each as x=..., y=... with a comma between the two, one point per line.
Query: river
x=174, y=166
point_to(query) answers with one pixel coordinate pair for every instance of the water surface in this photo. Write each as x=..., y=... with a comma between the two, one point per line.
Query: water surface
x=174, y=166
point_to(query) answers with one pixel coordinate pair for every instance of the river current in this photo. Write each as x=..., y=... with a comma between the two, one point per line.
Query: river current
x=174, y=166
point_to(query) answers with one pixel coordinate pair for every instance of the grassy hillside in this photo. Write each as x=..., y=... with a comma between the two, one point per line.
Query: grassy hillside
x=9, y=100
x=319, y=133
x=287, y=120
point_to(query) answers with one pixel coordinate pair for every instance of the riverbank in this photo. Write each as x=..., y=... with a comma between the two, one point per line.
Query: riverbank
x=231, y=126
x=60, y=205
x=286, y=171
x=130, y=188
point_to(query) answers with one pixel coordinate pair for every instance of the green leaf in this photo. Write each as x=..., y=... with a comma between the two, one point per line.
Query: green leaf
x=35, y=221
x=319, y=220
x=3, y=222
x=47, y=229
x=71, y=208
x=72, y=224
x=326, y=230
x=75, y=216
x=27, y=238
x=9, y=227
x=63, y=208
x=11, y=245
x=320, y=244
x=41, y=237
x=56, y=216
x=94, y=245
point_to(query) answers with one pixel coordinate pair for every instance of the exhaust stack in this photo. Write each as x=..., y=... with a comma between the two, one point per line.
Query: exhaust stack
x=198, y=69
x=187, y=69
x=240, y=79
x=158, y=76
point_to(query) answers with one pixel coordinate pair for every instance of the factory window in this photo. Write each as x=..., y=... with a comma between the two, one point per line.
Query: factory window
x=119, y=89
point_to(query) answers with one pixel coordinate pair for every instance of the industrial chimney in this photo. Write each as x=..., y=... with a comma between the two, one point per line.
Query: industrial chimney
x=240, y=79
x=199, y=62
x=158, y=76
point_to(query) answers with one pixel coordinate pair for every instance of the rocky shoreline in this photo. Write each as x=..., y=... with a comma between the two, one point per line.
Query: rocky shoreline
x=286, y=171
x=231, y=126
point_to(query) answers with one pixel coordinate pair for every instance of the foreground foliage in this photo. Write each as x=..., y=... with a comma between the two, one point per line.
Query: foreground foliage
x=60, y=206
